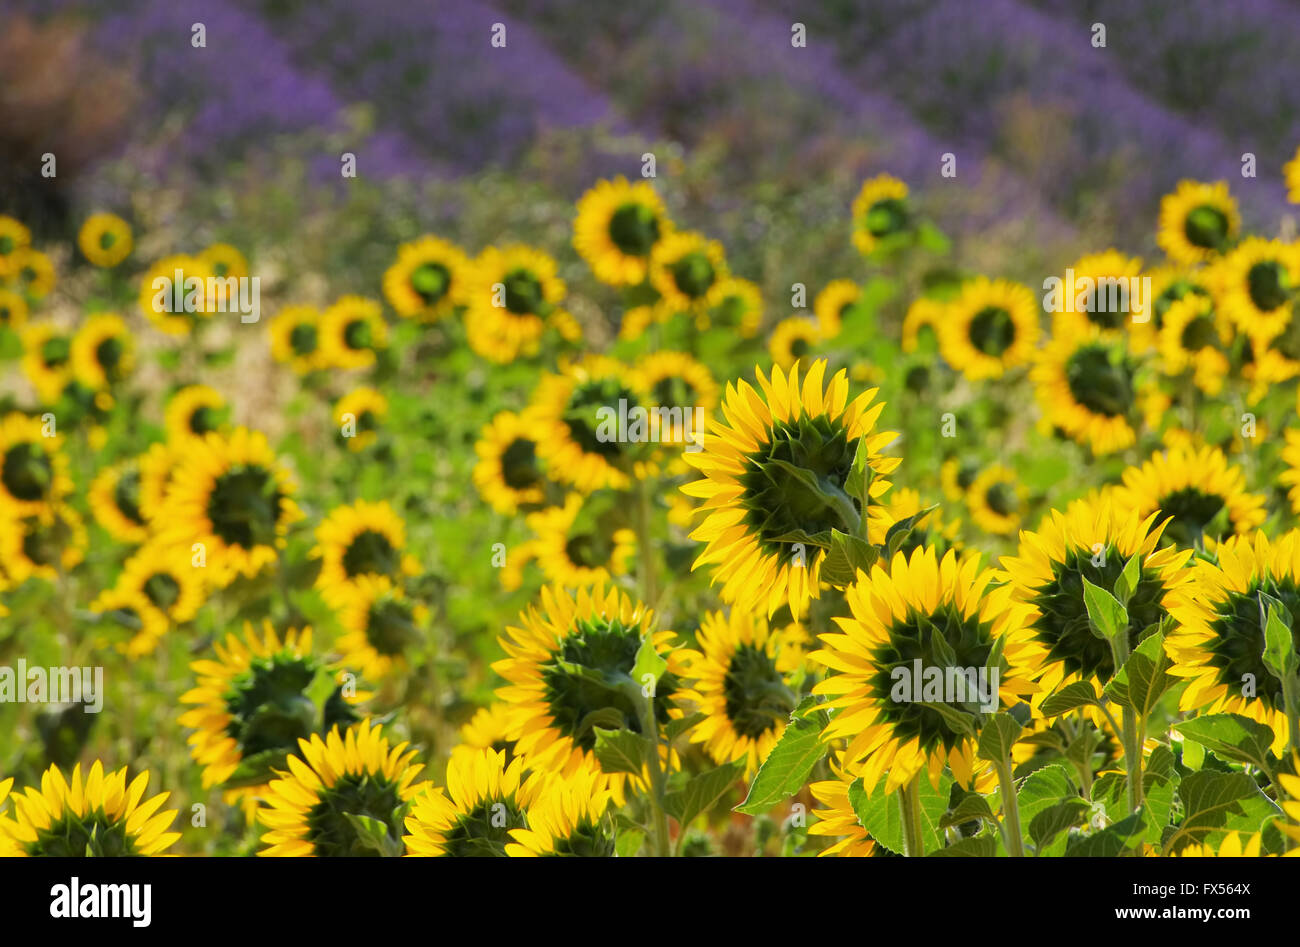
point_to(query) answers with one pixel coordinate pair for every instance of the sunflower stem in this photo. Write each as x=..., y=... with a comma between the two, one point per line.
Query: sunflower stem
x=909, y=804
x=1131, y=730
x=1010, y=810
x=645, y=548
x=658, y=785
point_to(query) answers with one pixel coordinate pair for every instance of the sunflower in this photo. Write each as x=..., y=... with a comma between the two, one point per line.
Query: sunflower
x=103, y=351
x=489, y=729
x=635, y=321
x=880, y=210
x=897, y=617
x=839, y=819
x=1292, y=171
x=1254, y=285
x=14, y=236
x=580, y=543
x=115, y=503
x=1204, y=494
x=316, y=809
x=734, y=680
x=381, y=625
x=676, y=380
x=193, y=411
x=1232, y=846
x=33, y=468
x=996, y=500
x=955, y=478
x=427, y=280
x=578, y=448
x=13, y=310
x=992, y=326
x=1291, y=476
x=1088, y=386
x=511, y=293
x=231, y=496
x=135, y=626
x=173, y=294
x=351, y=332
x=225, y=261
x=617, y=228
x=250, y=704
x=358, y=414
x=1169, y=284
x=509, y=474
x=296, y=339
x=1197, y=222
x=793, y=341
x=105, y=239
x=567, y=818
x=836, y=300
x=1218, y=642
x=687, y=268
x=485, y=800
x=924, y=312
x=1103, y=299
x=556, y=655
x=360, y=539
x=167, y=577
x=157, y=466
x=1192, y=338
x=101, y=816
x=737, y=305
x=47, y=360
x=49, y=543
x=1094, y=540
x=752, y=504
x=30, y=272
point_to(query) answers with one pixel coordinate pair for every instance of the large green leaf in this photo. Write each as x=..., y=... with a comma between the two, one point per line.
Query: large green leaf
x=702, y=792
x=1055, y=819
x=1070, y=697
x=1113, y=840
x=1233, y=737
x=1144, y=678
x=879, y=812
x=786, y=768
x=998, y=737
x=622, y=751
x=1109, y=618
x=1209, y=799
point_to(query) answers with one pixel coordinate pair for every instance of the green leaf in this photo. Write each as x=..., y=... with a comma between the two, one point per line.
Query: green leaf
x=1055, y=819
x=1078, y=694
x=965, y=807
x=979, y=846
x=898, y=533
x=1279, y=647
x=628, y=842
x=880, y=816
x=1208, y=799
x=1108, y=617
x=1193, y=754
x=1144, y=678
x=1231, y=737
x=859, y=478
x=1041, y=790
x=1125, y=834
x=373, y=834
x=622, y=751
x=1159, y=806
x=786, y=768
x=702, y=792
x=649, y=666
x=958, y=718
x=676, y=728
x=998, y=737
x=1127, y=582
x=847, y=554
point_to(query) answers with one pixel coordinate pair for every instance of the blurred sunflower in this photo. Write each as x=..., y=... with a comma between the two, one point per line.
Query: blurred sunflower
x=793, y=341
x=838, y=819
x=14, y=236
x=485, y=799
x=13, y=310
x=567, y=818
x=427, y=280
x=1092, y=539
x=687, y=268
x=617, y=228
x=361, y=412
x=511, y=294
x=296, y=339
x=677, y=380
x=157, y=466
x=231, y=495
x=173, y=294
x=100, y=816
x=880, y=210
x=134, y=626
x=636, y=320
x=103, y=351
x=930, y=530
x=166, y=576
x=1193, y=338
x=225, y=261
x=360, y=539
x=1255, y=283
x=51, y=542
x=737, y=305
x=837, y=299
x=1202, y=493
x=997, y=500
x=991, y=326
x=555, y=656
x=508, y=474
x=1290, y=477
x=1218, y=642
x=381, y=626
x=1169, y=284
x=580, y=543
x=735, y=681
x=488, y=729
x=193, y=411
x=1197, y=222
x=942, y=614
x=1102, y=299
x=105, y=239
x=351, y=332
x=30, y=272
x=924, y=312
x=250, y=705
x=47, y=360
x=955, y=478
x=1291, y=169
x=114, y=500
x=752, y=503
x=33, y=468
x=317, y=808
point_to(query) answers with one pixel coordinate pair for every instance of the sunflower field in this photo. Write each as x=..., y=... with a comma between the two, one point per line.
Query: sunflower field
x=613, y=520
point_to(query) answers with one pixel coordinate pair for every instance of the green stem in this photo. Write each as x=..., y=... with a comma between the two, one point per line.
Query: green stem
x=1132, y=726
x=1010, y=809
x=645, y=547
x=658, y=784
x=909, y=804
x=1291, y=709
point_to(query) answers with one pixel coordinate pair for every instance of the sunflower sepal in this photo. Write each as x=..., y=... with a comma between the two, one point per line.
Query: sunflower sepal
x=374, y=835
x=1107, y=617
